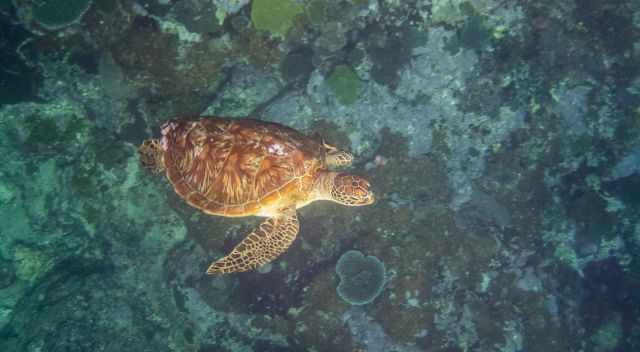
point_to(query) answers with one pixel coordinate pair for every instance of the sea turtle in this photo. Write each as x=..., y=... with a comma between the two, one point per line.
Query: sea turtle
x=247, y=167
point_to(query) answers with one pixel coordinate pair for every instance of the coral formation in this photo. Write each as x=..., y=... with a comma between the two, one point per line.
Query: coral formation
x=608, y=336
x=231, y=6
x=362, y=278
x=448, y=11
x=57, y=14
x=19, y=80
x=297, y=66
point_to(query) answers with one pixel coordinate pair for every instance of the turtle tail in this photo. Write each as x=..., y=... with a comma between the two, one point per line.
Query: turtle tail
x=150, y=152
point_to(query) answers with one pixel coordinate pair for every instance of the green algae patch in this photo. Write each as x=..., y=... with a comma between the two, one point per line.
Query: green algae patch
x=275, y=16
x=30, y=263
x=345, y=84
x=56, y=132
x=317, y=11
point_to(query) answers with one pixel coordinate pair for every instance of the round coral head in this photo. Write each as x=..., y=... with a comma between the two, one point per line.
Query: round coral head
x=362, y=278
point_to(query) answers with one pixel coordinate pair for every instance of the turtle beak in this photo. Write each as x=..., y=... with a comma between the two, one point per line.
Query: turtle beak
x=371, y=198
x=366, y=193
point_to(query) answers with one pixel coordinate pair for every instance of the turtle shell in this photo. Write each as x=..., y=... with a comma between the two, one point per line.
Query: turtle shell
x=239, y=167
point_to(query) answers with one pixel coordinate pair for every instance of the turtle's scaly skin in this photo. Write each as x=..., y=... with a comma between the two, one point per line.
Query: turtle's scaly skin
x=245, y=167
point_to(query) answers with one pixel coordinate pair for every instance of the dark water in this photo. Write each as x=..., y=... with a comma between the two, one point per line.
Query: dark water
x=501, y=140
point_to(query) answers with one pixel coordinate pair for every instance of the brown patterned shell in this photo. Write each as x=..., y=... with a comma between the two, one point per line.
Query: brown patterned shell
x=239, y=167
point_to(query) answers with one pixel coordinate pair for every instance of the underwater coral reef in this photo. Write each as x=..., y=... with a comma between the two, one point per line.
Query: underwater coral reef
x=501, y=140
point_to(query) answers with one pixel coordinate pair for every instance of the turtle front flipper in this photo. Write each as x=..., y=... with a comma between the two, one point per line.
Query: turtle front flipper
x=272, y=237
x=151, y=155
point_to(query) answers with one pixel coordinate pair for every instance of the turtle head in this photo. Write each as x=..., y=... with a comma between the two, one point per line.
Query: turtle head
x=150, y=152
x=351, y=190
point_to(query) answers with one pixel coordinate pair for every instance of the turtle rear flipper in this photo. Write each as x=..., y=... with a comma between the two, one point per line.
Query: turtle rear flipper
x=272, y=237
x=151, y=155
